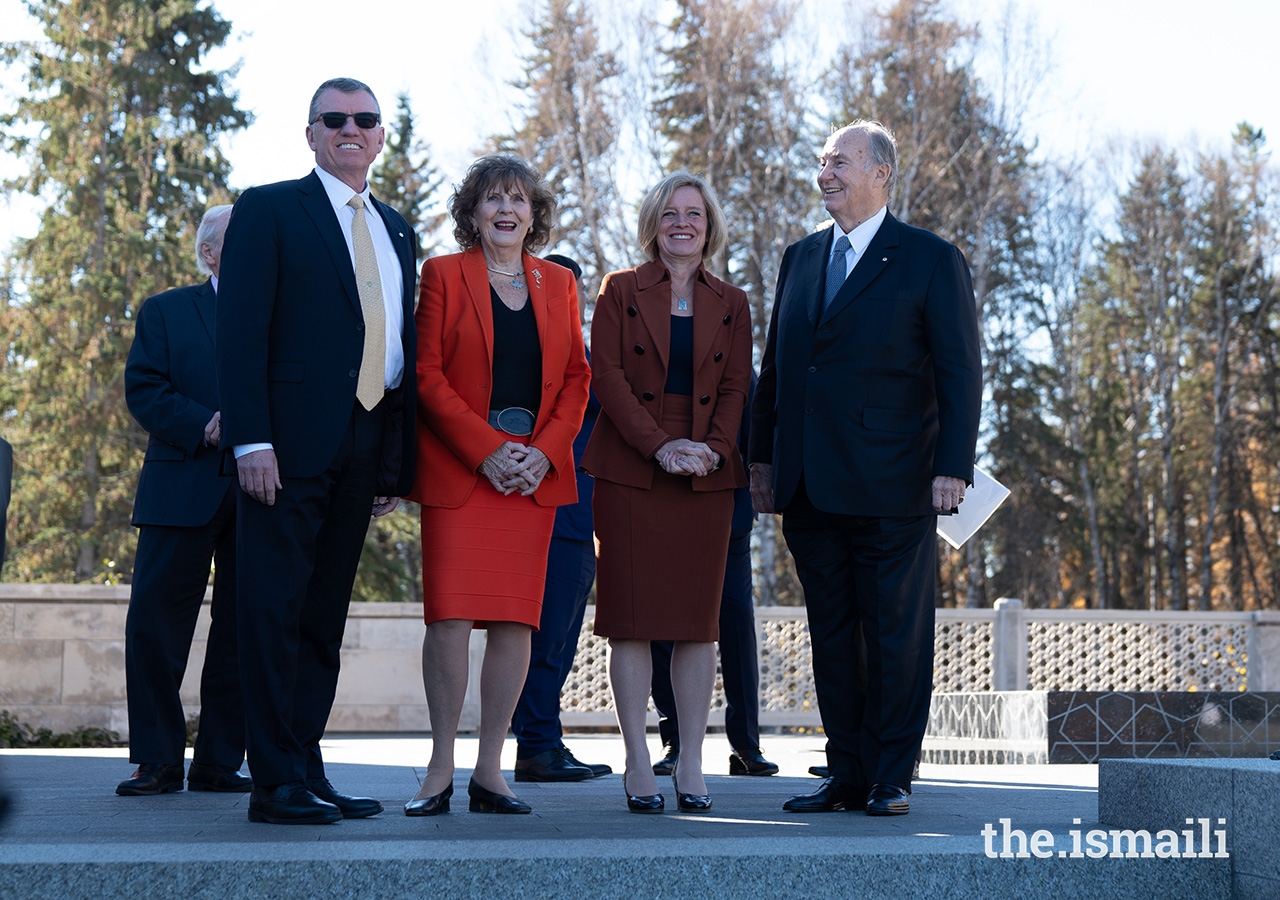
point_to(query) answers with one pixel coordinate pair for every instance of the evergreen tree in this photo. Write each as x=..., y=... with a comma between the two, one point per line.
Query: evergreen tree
x=119, y=127
x=570, y=133
x=405, y=179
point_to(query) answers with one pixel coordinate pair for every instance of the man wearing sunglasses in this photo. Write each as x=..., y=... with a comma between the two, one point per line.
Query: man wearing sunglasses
x=315, y=360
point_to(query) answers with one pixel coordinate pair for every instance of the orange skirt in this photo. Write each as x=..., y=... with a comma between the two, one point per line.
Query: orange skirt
x=486, y=560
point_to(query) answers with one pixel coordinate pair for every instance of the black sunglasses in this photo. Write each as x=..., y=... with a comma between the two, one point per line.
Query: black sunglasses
x=335, y=120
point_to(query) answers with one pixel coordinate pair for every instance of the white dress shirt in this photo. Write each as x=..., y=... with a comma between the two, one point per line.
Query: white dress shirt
x=859, y=238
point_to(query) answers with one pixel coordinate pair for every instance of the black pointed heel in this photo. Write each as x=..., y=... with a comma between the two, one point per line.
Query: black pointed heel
x=642, y=803
x=486, y=801
x=694, y=803
x=430, y=806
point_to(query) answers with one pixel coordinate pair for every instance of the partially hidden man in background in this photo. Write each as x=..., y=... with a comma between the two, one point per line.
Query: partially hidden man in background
x=315, y=331
x=865, y=427
x=186, y=518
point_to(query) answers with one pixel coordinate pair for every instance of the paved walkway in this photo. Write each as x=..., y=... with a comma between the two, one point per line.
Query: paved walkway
x=70, y=836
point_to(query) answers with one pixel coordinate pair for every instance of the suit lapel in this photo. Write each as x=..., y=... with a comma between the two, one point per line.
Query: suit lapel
x=315, y=201
x=653, y=301
x=878, y=255
x=709, y=310
x=814, y=272
x=206, y=308
x=476, y=277
x=538, y=297
x=404, y=251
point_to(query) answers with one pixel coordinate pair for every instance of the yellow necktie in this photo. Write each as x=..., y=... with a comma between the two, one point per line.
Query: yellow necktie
x=369, y=388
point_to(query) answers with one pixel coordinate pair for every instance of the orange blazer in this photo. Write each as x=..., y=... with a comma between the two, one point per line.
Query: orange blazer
x=630, y=342
x=455, y=369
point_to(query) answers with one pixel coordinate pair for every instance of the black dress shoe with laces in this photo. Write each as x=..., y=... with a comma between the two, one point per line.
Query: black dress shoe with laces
x=551, y=765
x=832, y=796
x=597, y=769
x=290, y=804
x=351, y=807
x=220, y=779
x=887, y=800
x=150, y=779
x=750, y=762
x=667, y=765
x=484, y=800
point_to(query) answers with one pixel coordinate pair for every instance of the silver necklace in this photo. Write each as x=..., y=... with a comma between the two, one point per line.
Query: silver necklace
x=517, y=278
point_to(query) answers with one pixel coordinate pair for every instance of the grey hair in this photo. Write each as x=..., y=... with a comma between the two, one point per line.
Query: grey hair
x=884, y=148
x=346, y=86
x=212, y=227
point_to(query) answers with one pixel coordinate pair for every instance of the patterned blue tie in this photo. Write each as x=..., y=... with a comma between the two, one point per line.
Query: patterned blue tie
x=835, y=271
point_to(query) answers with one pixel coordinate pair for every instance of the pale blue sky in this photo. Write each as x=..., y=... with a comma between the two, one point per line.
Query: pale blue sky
x=1180, y=71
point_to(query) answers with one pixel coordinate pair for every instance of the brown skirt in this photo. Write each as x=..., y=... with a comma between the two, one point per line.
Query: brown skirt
x=487, y=559
x=662, y=551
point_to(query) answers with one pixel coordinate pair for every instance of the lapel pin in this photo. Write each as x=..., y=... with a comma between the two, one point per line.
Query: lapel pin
x=537, y=278
x=400, y=233
x=884, y=259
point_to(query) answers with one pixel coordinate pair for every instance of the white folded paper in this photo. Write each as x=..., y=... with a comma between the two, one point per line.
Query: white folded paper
x=980, y=501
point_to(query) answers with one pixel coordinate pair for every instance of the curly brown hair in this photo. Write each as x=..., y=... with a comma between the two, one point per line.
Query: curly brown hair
x=505, y=170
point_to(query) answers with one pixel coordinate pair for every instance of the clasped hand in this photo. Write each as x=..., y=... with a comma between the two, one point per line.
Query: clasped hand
x=515, y=467
x=685, y=457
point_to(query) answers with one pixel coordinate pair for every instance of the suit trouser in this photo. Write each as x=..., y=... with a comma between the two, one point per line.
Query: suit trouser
x=170, y=573
x=571, y=568
x=739, y=665
x=298, y=563
x=871, y=578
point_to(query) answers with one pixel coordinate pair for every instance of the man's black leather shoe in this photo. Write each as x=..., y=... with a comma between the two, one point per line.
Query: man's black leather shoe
x=667, y=765
x=220, y=779
x=551, y=765
x=832, y=796
x=750, y=762
x=291, y=804
x=887, y=800
x=350, y=807
x=597, y=769
x=820, y=771
x=150, y=779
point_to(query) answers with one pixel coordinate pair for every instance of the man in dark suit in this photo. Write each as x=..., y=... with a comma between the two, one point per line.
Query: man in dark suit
x=865, y=427
x=571, y=569
x=186, y=516
x=315, y=367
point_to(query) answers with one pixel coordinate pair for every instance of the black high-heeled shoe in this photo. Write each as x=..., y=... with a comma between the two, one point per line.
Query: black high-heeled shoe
x=642, y=803
x=486, y=801
x=430, y=806
x=694, y=803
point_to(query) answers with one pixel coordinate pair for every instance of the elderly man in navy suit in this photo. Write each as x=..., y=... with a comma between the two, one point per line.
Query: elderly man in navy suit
x=315, y=361
x=864, y=430
x=186, y=517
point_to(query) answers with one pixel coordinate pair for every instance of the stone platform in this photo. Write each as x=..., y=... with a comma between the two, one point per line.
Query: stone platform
x=1203, y=796
x=70, y=837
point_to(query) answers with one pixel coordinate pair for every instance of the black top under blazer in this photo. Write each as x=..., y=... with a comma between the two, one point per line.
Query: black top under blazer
x=876, y=397
x=171, y=390
x=291, y=334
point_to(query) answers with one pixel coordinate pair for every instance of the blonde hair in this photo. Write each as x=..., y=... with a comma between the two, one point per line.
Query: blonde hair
x=658, y=198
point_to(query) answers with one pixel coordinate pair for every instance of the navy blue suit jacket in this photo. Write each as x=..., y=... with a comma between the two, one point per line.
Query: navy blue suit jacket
x=172, y=391
x=290, y=332
x=879, y=394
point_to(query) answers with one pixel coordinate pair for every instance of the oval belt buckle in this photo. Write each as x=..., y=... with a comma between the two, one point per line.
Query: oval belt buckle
x=516, y=420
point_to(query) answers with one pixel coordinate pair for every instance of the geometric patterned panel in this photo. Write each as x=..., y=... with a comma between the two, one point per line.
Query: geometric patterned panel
x=962, y=655
x=1085, y=726
x=786, y=669
x=1136, y=656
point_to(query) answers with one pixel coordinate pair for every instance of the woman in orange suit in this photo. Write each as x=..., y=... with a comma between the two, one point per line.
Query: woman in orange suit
x=671, y=345
x=502, y=387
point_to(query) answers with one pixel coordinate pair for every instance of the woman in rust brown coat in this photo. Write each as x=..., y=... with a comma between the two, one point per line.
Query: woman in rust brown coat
x=671, y=348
